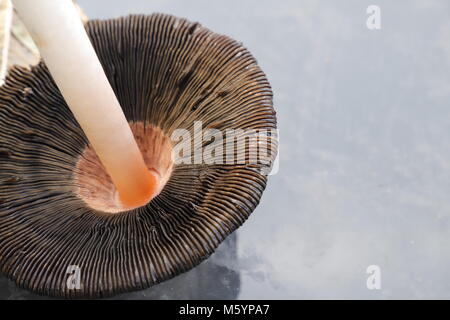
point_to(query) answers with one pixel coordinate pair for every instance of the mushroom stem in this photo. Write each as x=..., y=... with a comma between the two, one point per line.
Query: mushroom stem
x=58, y=32
x=6, y=16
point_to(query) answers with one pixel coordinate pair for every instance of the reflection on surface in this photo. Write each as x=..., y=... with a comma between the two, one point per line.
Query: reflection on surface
x=209, y=280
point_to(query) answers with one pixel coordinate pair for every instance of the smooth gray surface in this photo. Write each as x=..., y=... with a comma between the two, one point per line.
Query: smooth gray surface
x=364, y=159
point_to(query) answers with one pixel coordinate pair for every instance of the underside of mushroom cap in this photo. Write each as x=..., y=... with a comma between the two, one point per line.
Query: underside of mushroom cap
x=167, y=73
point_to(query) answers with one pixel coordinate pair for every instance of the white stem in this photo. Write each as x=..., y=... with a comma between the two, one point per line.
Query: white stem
x=7, y=12
x=58, y=32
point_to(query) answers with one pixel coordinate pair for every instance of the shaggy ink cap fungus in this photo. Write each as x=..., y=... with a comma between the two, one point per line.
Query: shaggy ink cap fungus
x=55, y=196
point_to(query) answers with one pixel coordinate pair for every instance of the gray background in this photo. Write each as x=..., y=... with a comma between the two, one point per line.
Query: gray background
x=364, y=172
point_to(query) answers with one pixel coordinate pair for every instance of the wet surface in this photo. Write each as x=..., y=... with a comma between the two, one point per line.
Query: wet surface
x=364, y=174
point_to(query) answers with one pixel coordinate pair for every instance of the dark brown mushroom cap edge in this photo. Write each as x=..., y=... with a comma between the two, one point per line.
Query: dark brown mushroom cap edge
x=168, y=72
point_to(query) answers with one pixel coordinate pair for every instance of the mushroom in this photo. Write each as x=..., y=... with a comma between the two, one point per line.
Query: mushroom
x=58, y=205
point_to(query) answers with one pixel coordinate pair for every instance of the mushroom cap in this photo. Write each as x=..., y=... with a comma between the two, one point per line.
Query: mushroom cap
x=166, y=72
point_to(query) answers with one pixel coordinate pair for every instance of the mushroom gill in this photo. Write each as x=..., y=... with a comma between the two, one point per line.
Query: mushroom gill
x=57, y=206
